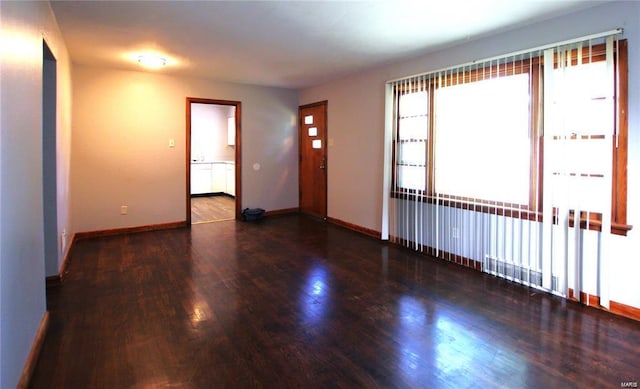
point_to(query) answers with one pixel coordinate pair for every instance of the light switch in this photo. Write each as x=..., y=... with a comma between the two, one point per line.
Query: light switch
x=172, y=143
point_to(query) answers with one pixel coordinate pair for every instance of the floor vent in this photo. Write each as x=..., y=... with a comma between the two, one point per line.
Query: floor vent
x=516, y=273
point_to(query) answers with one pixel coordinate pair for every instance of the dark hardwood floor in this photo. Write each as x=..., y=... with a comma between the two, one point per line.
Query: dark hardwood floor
x=294, y=302
x=212, y=208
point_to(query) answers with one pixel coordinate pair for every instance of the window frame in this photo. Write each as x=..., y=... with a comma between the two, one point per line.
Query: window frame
x=533, y=210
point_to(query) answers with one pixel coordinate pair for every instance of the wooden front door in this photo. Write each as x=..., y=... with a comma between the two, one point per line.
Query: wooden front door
x=312, y=125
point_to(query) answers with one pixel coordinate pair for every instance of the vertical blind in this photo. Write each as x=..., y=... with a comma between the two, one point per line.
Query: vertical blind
x=505, y=165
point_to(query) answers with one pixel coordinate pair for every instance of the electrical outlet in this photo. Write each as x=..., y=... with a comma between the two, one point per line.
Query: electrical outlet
x=124, y=210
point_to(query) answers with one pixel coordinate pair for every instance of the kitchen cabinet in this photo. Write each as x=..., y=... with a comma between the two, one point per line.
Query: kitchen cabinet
x=218, y=177
x=200, y=178
x=231, y=131
x=213, y=177
x=230, y=179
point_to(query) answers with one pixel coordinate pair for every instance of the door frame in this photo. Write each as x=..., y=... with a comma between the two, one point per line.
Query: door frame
x=238, y=152
x=324, y=103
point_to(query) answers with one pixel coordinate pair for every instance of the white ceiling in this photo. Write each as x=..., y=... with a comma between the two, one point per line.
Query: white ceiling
x=284, y=43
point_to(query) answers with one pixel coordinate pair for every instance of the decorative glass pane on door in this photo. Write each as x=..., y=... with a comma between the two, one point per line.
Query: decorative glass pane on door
x=308, y=119
x=316, y=144
x=313, y=131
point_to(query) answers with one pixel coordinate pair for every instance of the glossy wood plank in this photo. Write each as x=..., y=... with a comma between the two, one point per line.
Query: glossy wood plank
x=295, y=302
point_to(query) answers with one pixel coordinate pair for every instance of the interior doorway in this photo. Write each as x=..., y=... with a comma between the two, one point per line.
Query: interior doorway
x=312, y=125
x=213, y=160
x=49, y=161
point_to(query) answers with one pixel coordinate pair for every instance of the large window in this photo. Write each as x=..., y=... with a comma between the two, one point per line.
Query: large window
x=480, y=135
x=486, y=122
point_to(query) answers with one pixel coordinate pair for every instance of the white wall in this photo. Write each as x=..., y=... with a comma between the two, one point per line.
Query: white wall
x=356, y=124
x=22, y=275
x=122, y=123
x=209, y=132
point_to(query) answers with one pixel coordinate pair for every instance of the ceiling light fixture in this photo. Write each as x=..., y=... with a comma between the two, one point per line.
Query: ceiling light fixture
x=152, y=61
